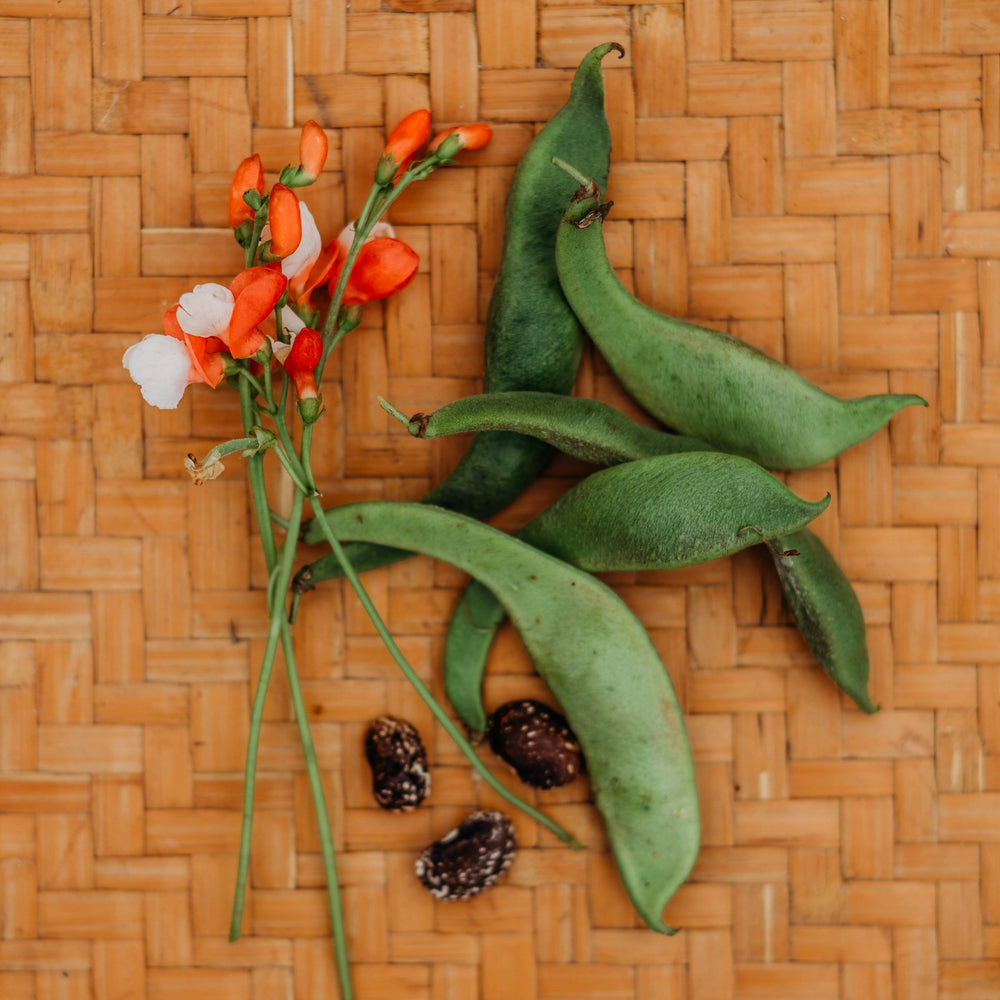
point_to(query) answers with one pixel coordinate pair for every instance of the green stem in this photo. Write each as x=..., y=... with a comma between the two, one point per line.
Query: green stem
x=322, y=818
x=283, y=576
x=568, y=168
x=244, y=374
x=376, y=205
x=264, y=516
x=250, y=250
x=394, y=411
x=258, y=488
x=428, y=699
x=292, y=467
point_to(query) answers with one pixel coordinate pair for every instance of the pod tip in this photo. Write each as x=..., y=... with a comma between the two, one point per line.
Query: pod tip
x=865, y=703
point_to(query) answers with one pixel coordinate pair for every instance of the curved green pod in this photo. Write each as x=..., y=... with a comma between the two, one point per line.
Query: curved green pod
x=702, y=382
x=474, y=624
x=603, y=669
x=585, y=428
x=826, y=609
x=667, y=512
x=820, y=596
x=533, y=339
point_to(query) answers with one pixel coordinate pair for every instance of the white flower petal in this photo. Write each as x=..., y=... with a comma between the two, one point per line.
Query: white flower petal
x=205, y=312
x=290, y=322
x=160, y=366
x=346, y=237
x=307, y=252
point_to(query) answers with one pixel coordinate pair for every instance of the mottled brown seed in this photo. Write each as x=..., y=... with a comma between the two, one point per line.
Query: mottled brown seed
x=468, y=859
x=537, y=742
x=400, y=777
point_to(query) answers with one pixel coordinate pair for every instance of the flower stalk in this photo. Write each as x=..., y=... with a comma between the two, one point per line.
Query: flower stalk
x=217, y=334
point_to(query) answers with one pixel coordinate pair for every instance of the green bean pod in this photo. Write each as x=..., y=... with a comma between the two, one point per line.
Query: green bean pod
x=603, y=669
x=819, y=595
x=533, y=339
x=826, y=609
x=667, y=512
x=702, y=382
x=585, y=428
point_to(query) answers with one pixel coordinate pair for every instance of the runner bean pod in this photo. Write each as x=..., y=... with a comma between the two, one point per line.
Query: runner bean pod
x=604, y=671
x=585, y=428
x=819, y=594
x=698, y=381
x=533, y=339
x=826, y=609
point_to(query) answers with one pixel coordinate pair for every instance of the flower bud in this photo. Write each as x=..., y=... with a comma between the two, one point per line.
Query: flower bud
x=313, y=147
x=301, y=361
x=249, y=176
x=402, y=145
x=285, y=220
x=474, y=136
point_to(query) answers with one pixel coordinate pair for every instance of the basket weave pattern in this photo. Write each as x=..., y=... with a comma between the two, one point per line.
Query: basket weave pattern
x=818, y=177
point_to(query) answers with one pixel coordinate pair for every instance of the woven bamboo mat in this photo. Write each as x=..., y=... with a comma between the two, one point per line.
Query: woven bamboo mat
x=819, y=177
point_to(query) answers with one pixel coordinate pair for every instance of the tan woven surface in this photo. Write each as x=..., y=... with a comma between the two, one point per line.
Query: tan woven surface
x=821, y=177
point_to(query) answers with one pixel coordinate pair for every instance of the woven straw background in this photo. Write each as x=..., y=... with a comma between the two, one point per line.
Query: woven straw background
x=820, y=177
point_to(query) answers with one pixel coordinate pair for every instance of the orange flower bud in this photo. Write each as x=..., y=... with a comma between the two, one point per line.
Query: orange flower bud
x=473, y=136
x=407, y=137
x=249, y=176
x=313, y=147
x=285, y=220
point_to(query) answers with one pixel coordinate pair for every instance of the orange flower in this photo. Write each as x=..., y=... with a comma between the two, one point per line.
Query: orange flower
x=164, y=364
x=207, y=354
x=303, y=284
x=402, y=145
x=249, y=176
x=383, y=267
x=313, y=147
x=285, y=221
x=256, y=292
x=473, y=136
x=301, y=361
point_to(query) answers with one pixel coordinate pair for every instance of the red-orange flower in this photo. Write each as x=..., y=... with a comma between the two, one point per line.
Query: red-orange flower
x=256, y=291
x=207, y=354
x=302, y=285
x=232, y=314
x=384, y=266
x=249, y=176
x=313, y=147
x=164, y=364
x=472, y=136
x=301, y=361
x=403, y=143
x=285, y=221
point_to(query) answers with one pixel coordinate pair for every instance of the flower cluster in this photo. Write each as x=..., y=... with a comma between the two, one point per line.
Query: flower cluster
x=268, y=334
x=290, y=275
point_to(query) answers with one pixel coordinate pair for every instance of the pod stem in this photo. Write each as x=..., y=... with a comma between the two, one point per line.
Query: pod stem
x=568, y=168
x=416, y=425
x=393, y=411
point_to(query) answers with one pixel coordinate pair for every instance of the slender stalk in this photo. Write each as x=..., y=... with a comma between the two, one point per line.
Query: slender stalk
x=278, y=617
x=246, y=376
x=376, y=205
x=264, y=517
x=322, y=818
x=258, y=489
